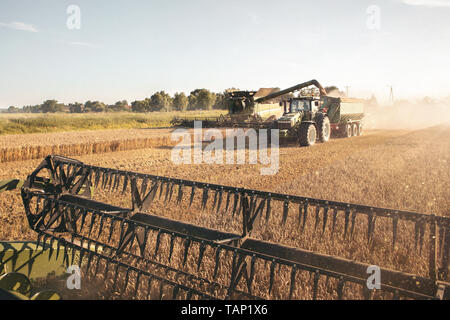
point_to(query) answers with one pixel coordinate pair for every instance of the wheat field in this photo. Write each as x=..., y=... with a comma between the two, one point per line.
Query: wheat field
x=401, y=169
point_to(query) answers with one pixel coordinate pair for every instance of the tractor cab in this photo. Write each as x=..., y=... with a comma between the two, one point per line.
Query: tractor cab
x=297, y=110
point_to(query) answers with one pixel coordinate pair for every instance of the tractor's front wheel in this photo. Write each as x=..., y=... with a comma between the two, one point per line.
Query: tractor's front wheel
x=307, y=134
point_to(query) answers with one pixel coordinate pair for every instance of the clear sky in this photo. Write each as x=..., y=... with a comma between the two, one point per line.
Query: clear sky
x=130, y=49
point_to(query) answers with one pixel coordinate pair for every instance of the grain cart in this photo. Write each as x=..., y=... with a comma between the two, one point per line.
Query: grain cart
x=152, y=237
x=312, y=118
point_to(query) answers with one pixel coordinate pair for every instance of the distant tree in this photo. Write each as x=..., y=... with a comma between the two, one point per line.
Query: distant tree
x=180, y=101
x=76, y=107
x=32, y=109
x=221, y=101
x=95, y=106
x=13, y=109
x=119, y=106
x=201, y=99
x=49, y=106
x=141, y=105
x=161, y=101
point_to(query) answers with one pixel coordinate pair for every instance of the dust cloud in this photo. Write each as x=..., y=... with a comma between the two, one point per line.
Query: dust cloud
x=405, y=114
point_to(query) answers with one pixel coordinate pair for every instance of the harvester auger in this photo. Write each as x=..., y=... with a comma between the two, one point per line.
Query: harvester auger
x=138, y=249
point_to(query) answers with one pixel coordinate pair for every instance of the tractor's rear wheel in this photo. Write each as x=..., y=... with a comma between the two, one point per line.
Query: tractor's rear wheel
x=323, y=128
x=307, y=134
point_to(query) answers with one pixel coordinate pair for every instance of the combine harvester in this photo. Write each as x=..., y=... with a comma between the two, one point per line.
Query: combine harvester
x=306, y=118
x=127, y=237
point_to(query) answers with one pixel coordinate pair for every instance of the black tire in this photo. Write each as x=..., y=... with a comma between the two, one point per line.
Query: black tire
x=323, y=127
x=307, y=134
x=360, y=129
x=348, y=130
x=354, y=129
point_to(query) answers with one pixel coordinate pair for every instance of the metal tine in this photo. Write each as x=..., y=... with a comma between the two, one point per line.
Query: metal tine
x=158, y=240
x=136, y=286
x=352, y=228
x=416, y=234
x=117, y=182
x=110, y=179
x=97, y=265
x=83, y=213
x=81, y=252
x=104, y=178
x=93, y=217
x=285, y=212
x=161, y=189
x=144, y=186
x=421, y=235
x=114, y=178
x=192, y=195
x=187, y=244
x=73, y=253
x=100, y=228
x=91, y=254
x=215, y=199
x=325, y=219
x=227, y=202
x=219, y=203
x=300, y=213
x=217, y=260
x=180, y=193
x=292, y=286
x=58, y=247
x=175, y=290
x=235, y=203
x=316, y=284
x=38, y=242
x=347, y=217
x=125, y=183
x=272, y=275
x=161, y=289
x=127, y=276
x=369, y=225
x=144, y=243
x=394, y=230
x=111, y=228
x=116, y=274
x=316, y=223
x=97, y=177
x=122, y=232
x=189, y=294
x=340, y=287
x=172, y=239
x=201, y=252
x=171, y=191
x=305, y=214
x=52, y=240
x=205, y=197
x=252, y=273
x=166, y=197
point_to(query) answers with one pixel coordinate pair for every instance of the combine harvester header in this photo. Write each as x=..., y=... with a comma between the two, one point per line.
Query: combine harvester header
x=134, y=241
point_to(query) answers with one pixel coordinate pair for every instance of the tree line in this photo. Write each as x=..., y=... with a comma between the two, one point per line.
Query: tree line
x=199, y=99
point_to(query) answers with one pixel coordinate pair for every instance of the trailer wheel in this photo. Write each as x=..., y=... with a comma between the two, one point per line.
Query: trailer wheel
x=360, y=129
x=348, y=130
x=307, y=134
x=323, y=128
x=354, y=130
